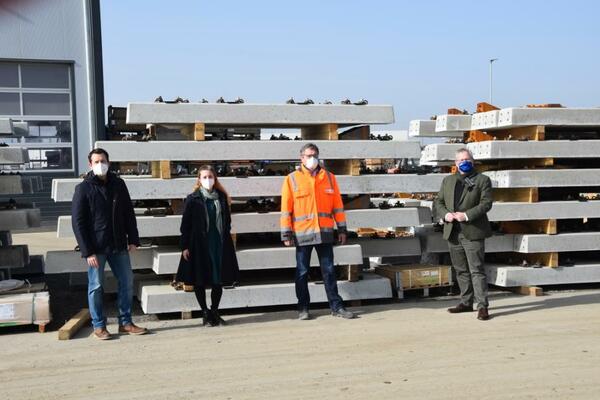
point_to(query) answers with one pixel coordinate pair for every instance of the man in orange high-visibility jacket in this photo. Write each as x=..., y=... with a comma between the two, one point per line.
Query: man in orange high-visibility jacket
x=310, y=204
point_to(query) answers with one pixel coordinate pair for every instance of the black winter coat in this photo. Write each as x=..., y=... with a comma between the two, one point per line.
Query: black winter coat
x=102, y=215
x=197, y=271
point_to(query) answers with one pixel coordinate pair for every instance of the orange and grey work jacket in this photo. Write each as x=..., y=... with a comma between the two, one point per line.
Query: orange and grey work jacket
x=310, y=203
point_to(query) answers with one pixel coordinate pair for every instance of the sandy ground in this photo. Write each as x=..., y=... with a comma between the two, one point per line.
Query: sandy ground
x=534, y=348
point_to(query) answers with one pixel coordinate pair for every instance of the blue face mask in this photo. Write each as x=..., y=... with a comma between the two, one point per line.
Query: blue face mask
x=465, y=166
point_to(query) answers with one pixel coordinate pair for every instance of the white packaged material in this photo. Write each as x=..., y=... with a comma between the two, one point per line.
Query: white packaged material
x=27, y=308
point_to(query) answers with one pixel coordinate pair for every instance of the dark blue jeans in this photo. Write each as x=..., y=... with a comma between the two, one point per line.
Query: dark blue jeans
x=325, y=254
x=121, y=268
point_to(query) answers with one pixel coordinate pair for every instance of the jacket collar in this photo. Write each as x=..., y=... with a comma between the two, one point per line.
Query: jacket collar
x=92, y=178
x=197, y=194
x=314, y=173
x=470, y=175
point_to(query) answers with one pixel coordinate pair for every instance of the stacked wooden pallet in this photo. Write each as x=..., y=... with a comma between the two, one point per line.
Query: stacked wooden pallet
x=544, y=170
x=256, y=253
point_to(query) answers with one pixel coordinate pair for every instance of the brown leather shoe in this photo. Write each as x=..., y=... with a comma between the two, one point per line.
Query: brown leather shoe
x=102, y=334
x=132, y=329
x=482, y=314
x=460, y=308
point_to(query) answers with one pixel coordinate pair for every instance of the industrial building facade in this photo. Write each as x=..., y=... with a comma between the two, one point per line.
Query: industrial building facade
x=51, y=81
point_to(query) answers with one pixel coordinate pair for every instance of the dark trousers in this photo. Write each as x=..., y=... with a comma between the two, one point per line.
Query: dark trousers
x=325, y=254
x=216, y=292
x=468, y=261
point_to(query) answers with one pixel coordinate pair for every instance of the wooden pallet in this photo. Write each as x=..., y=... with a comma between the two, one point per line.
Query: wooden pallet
x=520, y=133
x=162, y=169
x=341, y=167
x=319, y=132
x=350, y=273
x=330, y=132
x=456, y=111
x=548, y=259
x=416, y=276
x=529, y=163
x=383, y=233
x=485, y=107
x=527, y=195
x=528, y=290
x=41, y=327
x=546, y=226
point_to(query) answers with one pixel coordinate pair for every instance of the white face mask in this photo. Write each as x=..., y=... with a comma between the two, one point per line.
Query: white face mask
x=100, y=169
x=311, y=163
x=207, y=183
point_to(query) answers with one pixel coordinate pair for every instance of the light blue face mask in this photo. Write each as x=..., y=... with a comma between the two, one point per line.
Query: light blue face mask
x=465, y=166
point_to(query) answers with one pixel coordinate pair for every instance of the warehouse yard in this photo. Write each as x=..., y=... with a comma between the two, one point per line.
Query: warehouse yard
x=534, y=348
x=418, y=144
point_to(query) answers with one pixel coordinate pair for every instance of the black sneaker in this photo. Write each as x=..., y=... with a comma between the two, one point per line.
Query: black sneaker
x=206, y=318
x=304, y=315
x=216, y=318
x=343, y=313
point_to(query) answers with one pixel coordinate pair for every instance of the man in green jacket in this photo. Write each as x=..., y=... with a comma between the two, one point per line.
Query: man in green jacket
x=462, y=205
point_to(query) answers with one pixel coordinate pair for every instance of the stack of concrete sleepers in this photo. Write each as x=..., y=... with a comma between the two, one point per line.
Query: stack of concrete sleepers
x=434, y=128
x=13, y=216
x=544, y=169
x=318, y=124
x=18, y=305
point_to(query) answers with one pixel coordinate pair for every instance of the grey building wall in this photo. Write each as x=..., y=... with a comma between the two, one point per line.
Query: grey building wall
x=61, y=30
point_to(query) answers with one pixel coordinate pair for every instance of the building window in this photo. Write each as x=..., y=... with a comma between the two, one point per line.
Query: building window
x=38, y=97
x=10, y=104
x=9, y=75
x=51, y=158
x=46, y=104
x=49, y=76
x=49, y=132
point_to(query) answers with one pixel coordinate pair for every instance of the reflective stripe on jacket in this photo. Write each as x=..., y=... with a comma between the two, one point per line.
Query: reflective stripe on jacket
x=309, y=207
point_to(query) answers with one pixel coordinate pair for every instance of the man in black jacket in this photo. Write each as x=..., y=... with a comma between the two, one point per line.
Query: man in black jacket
x=105, y=228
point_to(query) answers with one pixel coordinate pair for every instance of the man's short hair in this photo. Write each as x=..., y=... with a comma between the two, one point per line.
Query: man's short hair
x=310, y=146
x=464, y=150
x=98, y=151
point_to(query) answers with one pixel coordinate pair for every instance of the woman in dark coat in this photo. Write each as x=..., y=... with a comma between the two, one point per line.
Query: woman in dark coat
x=208, y=256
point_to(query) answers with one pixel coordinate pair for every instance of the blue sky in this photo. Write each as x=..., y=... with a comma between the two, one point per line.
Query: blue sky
x=420, y=56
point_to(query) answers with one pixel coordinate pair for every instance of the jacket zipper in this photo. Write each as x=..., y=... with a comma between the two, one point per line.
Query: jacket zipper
x=114, y=208
x=316, y=208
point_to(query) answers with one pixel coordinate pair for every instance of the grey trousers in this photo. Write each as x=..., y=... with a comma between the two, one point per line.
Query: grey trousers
x=468, y=260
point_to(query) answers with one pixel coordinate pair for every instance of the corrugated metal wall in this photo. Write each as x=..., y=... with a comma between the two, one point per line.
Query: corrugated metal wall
x=54, y=30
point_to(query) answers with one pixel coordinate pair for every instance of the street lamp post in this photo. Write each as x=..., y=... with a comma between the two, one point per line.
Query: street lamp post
x=491, y=79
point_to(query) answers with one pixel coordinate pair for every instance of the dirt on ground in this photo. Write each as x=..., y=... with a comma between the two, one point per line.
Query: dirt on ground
x=533, y=348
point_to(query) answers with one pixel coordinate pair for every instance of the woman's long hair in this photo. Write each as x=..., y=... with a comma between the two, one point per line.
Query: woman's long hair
x=217, y=185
